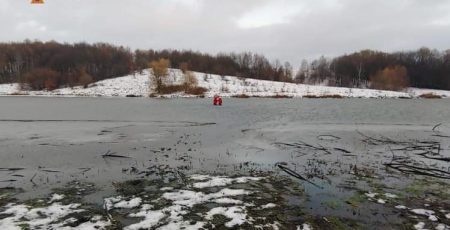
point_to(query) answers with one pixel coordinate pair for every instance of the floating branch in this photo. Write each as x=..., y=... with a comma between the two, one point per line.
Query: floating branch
x=11, y=169
x=295, y=174
x=328, y=137
x=434, y=127
x=405, y=168
x=113, y=154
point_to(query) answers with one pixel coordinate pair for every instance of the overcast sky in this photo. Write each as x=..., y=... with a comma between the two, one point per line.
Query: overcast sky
x=289, y=30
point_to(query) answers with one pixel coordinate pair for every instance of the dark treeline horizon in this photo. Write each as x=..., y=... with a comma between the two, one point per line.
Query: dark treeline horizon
x=50, y=65
x=422, y=68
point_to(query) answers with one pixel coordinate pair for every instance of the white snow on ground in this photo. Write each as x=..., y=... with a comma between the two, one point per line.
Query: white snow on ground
x=220, y=181
x=390, y=195
x=225, y=202
x=371, y=195
x=46, y=217
x=237, y=215
x=415, y=92
x=424, y=212
x=419, y=226
x=269, y=205
x=166, y=188
x=178, y=203
x=56, y=197
x=190, y=198
x=227, y=86
x=304, y=227
x=119, y=202
x=442, y=227
x=182, y=202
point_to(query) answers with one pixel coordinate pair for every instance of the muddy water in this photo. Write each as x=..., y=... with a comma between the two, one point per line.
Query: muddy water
x=53, y=141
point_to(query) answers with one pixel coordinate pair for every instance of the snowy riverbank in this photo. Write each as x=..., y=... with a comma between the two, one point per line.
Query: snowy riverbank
x=227, y=86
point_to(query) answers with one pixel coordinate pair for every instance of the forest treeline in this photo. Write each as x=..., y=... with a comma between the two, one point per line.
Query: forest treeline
x=50, y=65
x=423, y=68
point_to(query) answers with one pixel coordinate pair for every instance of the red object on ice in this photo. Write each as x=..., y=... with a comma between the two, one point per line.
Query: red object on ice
x=217, y=100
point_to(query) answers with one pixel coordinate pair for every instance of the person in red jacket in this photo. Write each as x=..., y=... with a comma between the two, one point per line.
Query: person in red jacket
x=217, y=100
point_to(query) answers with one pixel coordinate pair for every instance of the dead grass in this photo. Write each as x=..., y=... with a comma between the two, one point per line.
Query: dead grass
x=241, y=96
x=280, y=96
x=18, y=94
x=198, y=91
x=430, y=96
x=169, y=89
x=336, y=96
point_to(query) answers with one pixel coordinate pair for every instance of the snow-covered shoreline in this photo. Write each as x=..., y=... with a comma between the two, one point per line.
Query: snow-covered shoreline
x=138, y=85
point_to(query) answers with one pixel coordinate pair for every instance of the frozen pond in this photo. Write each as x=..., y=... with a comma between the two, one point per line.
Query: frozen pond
x=365, y=163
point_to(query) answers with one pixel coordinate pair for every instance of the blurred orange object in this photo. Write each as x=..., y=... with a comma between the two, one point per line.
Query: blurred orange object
x=37, y=1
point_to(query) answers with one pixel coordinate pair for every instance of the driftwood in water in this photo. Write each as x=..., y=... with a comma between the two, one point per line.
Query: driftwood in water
x=328, y=137
x=426, y=171
x=11, y=169
x=434, y=127
x=295, y=174
x=113, y=154
x=50, y=171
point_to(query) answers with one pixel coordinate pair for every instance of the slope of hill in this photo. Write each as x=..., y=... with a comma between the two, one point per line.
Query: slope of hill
x=227, y=86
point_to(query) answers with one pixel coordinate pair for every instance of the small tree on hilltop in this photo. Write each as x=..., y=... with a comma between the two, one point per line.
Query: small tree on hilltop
x=160, y=70
x=190, y=81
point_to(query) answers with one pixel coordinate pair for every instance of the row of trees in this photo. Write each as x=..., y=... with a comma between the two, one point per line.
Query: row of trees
x=49, y=65
x=241, y=65
x=423, y=68
x=35, y=63
x=52, y=65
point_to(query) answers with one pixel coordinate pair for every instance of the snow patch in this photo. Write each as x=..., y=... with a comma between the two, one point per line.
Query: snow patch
x=56, y=197
x=238, y=215
x=227, y=86
x=442, y=227
x=371, y=195
x=305, y=227
x=390, y=195
x=119, y=202
x=46, y=217
x=425, y=212
x=166, y=188
x=221, y=181
x=420, y=226
x=269, y=205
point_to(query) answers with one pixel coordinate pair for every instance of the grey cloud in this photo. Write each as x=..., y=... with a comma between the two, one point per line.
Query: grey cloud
x=286, y=29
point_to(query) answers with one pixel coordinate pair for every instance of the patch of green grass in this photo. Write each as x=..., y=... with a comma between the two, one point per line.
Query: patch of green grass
x=36, y=203
x=24, y=226
x=333, y=204
x=337, y=223
x=357, y=199
x=422, y=187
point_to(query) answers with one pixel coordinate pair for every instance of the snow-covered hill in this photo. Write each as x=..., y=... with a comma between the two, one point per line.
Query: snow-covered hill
x=227, y=86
